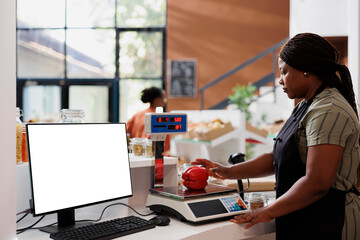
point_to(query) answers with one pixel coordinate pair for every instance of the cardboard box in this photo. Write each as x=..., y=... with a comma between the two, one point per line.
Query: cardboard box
x=210, y=134
x=256, y=130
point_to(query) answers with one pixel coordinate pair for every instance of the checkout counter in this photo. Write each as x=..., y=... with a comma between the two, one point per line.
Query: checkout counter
x=141, y=173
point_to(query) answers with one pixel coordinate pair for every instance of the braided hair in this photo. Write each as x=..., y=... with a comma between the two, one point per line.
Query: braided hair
x=311, y=53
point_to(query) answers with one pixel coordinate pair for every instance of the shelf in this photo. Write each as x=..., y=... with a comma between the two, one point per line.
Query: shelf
x=230, y=135
x=256, y=137
x=135, y=162
x=213, y=143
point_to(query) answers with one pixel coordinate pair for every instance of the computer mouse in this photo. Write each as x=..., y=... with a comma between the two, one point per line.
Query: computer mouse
x=160, y=220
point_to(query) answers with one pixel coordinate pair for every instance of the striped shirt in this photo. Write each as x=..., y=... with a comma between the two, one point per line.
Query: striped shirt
x=331, y=120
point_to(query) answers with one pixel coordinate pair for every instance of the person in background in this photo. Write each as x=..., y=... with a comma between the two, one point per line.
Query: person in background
x=316, y=154
x=136, y=125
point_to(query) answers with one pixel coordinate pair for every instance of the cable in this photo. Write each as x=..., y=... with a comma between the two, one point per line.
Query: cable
x=102, y=213
x=247, y=187
x=21, y=230
x=51, y=224
x=22, y=217
x=25, y=211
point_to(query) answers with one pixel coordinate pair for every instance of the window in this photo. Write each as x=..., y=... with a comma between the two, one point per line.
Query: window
x=95, y=55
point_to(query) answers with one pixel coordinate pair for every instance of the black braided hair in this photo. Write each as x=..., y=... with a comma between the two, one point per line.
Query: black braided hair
x=149, y=94
x=311, y=53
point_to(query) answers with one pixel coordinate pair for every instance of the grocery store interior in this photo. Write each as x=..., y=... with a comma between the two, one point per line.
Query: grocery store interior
x=216, y=63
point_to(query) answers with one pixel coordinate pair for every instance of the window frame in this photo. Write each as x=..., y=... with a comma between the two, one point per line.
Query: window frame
x=113, y=84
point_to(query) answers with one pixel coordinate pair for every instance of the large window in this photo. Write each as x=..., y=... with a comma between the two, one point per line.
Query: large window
x=95, y=55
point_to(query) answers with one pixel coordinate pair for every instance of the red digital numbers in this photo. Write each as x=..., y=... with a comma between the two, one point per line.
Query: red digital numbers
x=162, y=119
x=175, y=119
x=174, y=127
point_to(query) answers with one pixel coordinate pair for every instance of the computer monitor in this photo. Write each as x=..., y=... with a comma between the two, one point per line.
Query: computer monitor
x=76, y=165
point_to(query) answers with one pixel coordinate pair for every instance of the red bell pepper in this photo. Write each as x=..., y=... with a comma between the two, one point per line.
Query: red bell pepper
x=159, y=169
x=195, y=178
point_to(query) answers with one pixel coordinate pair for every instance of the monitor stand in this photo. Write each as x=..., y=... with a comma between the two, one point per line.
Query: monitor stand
x=65, y=221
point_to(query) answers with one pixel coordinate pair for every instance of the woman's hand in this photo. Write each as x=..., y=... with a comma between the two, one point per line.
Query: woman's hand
x=256, y=216
x=214, y=169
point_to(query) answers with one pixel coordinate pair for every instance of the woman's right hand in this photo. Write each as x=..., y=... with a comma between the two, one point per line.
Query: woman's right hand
x=214, y=169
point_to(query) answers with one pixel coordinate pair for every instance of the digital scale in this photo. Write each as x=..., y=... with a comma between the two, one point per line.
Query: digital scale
x=196, y=206
x=158, y=125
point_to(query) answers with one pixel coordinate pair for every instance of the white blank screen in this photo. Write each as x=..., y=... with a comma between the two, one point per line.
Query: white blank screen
x=73, y=165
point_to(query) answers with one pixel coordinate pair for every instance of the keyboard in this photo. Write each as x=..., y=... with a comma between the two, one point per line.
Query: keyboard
x=105, y=230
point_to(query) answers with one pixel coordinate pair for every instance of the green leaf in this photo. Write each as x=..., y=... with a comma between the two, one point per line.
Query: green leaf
x=242, y=97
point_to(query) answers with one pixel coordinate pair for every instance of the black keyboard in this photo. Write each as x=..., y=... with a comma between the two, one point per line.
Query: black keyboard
x=105, y=230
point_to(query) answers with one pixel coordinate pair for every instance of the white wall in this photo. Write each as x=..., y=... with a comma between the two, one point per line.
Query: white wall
x=354, y=44
x=324, y=17
x=7, y=119
x=331, y=18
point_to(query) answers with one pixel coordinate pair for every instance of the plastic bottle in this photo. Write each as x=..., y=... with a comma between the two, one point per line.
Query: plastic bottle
x=18, y=135
x=72, y=116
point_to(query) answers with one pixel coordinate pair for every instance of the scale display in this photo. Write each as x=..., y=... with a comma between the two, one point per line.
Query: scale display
x=165, y=123
x=217, y=206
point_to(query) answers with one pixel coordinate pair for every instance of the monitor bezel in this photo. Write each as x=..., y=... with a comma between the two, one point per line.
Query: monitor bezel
x=33, y=200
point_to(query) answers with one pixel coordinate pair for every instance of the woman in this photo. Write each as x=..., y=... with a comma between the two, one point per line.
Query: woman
x=136, y=125
x=316, y=154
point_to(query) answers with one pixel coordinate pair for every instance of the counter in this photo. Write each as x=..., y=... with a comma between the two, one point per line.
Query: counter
x=140, y=173
x=224, y=230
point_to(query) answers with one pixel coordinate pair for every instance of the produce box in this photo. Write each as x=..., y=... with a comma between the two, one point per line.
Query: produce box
x=275, y=127
x=190, y=134
x=207, y=134
x=256, y=130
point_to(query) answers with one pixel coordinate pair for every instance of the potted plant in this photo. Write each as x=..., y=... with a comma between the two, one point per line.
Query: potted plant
x=242, y=97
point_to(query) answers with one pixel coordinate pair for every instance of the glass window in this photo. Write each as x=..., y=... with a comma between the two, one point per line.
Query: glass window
x=40, y=53
x=90, y=53
x=41, y=103
x=40, y=13
x=90, y=13
x=130, y=91
x=94, y=100
x=141, y=13
x=140, y=54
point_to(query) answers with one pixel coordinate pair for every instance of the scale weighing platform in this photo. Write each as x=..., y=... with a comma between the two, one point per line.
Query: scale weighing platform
x=213, y=202
x=196, y=206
